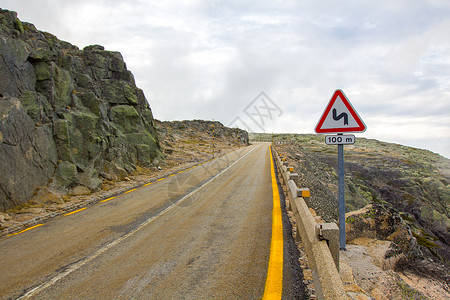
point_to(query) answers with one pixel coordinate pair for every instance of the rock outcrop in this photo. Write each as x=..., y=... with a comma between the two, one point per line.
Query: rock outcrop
x=382, y=223
x=194, y=128
x=68, y=117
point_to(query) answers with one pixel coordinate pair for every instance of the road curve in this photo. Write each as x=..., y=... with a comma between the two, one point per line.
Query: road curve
x=202, y=234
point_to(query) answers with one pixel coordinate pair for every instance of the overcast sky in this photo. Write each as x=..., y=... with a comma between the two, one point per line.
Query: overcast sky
x=212, y=59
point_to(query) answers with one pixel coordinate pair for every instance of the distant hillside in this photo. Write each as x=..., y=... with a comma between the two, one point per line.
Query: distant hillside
x=68, y=117
x=414, y=182
x=197, y=139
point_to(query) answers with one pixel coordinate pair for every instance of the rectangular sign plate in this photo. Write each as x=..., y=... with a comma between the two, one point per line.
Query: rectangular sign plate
x=348, y=139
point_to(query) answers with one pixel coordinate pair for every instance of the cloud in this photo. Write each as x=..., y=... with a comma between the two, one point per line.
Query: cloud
x=210, y=59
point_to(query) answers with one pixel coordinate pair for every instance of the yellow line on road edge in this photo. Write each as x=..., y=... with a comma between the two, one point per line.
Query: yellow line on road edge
x=75, y=211
x=274, y=281
x=130, y=191
x=26, y=229
x=108, y=199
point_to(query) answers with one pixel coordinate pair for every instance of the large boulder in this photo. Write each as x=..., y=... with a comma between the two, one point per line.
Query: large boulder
x=67, y=116
x=382, y=223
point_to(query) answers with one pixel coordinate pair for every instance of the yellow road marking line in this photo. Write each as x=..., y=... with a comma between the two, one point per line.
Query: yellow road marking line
x=130, y=191
x=160, y=179
x=108, y=199
x=274, y=281
x=25, y=229
x=148, y=183
x=75, y=211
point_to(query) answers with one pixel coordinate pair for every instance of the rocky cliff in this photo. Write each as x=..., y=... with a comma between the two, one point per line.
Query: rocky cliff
x=68, y=117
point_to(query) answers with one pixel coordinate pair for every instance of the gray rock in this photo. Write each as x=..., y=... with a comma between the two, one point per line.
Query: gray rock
x=80, y=108
x=79, y=190
x=44, y=195
x=28, y=154
x=89, y=178
x=67, y=174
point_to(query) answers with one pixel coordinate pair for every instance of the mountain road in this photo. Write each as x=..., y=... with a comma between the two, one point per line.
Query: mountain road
x=204, y=233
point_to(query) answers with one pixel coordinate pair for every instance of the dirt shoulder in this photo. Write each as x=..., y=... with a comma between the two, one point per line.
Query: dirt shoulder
x=366, y=271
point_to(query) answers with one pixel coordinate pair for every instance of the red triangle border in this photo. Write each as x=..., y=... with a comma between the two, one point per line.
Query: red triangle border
x=339, y=93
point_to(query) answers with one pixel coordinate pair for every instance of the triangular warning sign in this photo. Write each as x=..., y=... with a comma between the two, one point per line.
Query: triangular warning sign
x=340, y=116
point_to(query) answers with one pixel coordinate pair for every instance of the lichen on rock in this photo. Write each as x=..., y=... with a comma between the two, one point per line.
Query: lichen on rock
x=75, y=116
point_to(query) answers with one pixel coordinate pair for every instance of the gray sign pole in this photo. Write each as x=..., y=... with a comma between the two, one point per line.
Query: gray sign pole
x=339, y=108
x=341, y=197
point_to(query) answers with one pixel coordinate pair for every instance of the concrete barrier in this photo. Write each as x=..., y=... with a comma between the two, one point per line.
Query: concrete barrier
x=320, y=240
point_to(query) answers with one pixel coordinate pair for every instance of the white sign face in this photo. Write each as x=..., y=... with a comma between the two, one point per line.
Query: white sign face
x=340, y=139
x=340, y=116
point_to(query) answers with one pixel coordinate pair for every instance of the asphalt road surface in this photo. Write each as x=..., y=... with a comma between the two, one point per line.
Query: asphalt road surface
x=204, y=233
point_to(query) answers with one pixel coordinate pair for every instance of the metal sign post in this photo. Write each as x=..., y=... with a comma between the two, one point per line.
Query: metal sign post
x=341, y=175
x=340, y=116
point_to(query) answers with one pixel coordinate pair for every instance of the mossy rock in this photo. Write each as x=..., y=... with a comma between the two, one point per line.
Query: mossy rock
x=127, y=117
x=77, y=142
x=95, y=47
x=112, y=91
x=85, y=121
x=67, y=62
x=143, y=154
x=119, y=92
x=43, y=71
x=67, y=174
x=37, y=107
x=61, y=130
x=41, y=55
x=144, y=137
x=18, y=25
x=101, y=73
x=31, y=105
x=141, y=137
x=94, y=145
x=61, y=133
x=63, y=87
x=89, y=178
x=84, y=81
x=113, y=171
x=85, y=101
x=433, y=216
x=96, y=58
x=130, y=94
x=115, y=61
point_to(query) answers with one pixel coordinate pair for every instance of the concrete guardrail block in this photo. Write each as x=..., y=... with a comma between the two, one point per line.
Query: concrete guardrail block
x=291, y=192
x=293, y=176
x=305, y=194
x=330, y=233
